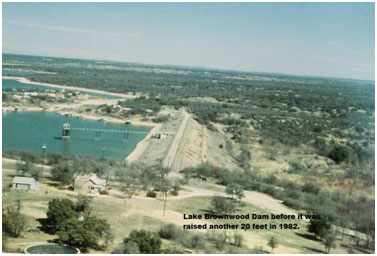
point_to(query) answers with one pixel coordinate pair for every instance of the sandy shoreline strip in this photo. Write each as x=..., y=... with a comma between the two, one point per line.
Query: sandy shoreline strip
x=142, y=145
x=75, y=88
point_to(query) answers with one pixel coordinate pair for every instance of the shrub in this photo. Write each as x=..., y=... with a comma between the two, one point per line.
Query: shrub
x=127, y=248
x=254, y=185
x=174, y=249
x=169, y=231
x=222, y=205
x=146, y=241
x=258, y=250
x=151, y=194
x=184, y=238
x=211, y=127
x=198, y=241
x=293, y=193
x=267, y=189
x=310, y=188
x=161, y=119
x=218, y=238
x=104, y=192
x=338, y=154
x=292, y=203
x=175, y=188
x=238, y=239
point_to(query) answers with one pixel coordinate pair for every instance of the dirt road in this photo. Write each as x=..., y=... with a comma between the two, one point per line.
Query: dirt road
x=256, y=198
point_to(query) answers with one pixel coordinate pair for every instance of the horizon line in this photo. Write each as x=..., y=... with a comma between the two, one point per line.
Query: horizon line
x=197, y=67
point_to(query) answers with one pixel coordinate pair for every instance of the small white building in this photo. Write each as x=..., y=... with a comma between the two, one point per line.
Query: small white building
x=27, y=183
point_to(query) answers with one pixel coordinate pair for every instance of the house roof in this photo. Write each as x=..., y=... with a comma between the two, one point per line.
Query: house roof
x=24, y=180
x=98, y=181
x=92, y=177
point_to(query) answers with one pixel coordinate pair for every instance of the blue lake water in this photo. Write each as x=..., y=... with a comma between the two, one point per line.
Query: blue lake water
x=14, y=84
x=29, y=130
x=16, y=72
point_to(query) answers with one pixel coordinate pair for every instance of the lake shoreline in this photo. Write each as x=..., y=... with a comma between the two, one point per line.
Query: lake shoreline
x=65, y=87
x=140, y=146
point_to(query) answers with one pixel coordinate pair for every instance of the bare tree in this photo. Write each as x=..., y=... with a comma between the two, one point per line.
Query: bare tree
x=329, y=241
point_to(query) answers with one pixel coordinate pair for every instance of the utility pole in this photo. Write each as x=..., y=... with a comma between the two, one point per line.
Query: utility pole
x=161, y=177
x=165, y=193
x=103, y=153
x=44, y=147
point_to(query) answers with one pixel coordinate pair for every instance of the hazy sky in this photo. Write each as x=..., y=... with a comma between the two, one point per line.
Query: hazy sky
x=324, y=39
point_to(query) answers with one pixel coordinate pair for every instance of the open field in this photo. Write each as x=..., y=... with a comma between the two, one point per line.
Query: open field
x=136, y=213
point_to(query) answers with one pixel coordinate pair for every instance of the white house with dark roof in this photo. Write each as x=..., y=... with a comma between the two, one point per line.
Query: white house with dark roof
x=26, y=183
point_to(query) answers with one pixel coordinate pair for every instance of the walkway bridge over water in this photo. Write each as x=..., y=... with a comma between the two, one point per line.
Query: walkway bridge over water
x=66, y=132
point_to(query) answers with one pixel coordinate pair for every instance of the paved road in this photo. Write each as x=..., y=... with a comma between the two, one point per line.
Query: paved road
x=169, y=159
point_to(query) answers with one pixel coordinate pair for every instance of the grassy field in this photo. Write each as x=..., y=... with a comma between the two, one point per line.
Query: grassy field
x=140, y=212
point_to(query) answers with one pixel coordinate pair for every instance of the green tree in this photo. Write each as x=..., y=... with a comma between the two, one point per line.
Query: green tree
x=14, y=222
x=26, y=167
x=149, y=177
x=64, y=172
x=85, y=232
x=146, y=241
x=59, y=210
x=235, y=189
x=273, y=243
x=221, y=205
x=176, y=186
x=84, y=204
x=320, y=227
x=244, y=158
x=36, y=173
x=130, y=180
